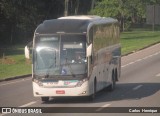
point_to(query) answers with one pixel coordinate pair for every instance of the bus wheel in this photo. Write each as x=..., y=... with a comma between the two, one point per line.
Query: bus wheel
x=45, y=99
x=113, y=83
x=92, y=97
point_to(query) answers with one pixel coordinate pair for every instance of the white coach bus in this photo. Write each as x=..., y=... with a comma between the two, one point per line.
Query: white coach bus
x=75, y=56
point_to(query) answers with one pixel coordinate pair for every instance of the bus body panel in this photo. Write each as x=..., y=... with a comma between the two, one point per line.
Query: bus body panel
x=102, y=71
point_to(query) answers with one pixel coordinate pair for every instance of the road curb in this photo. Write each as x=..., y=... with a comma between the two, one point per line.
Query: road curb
x=140, y=49
x=15, y=77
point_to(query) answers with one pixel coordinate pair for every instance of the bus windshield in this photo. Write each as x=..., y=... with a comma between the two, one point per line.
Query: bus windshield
x=60, y=55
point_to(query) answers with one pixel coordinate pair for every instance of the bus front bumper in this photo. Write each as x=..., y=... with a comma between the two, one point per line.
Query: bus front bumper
x=39, y=91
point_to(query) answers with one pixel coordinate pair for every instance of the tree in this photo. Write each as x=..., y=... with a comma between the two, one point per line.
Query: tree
x=126, y=11
x=78, y=7
x=19, y=18
x=112, y=8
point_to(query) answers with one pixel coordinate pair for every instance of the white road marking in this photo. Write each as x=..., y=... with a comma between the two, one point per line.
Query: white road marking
x=131, y=63
x=124, y=66
x=103, y=107
x=137, y=87
x=158, y=75
x=14, y=82
x=138, y=60
x=141, y=59
x=28, y=104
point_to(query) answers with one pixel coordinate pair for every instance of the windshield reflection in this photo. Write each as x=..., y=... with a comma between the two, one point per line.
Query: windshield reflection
x=60, y=55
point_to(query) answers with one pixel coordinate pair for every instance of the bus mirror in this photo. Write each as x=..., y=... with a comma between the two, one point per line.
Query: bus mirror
x=89, y=50
x=27, y=53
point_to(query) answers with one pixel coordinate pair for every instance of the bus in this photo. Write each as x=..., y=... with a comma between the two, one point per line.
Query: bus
x=75, y=56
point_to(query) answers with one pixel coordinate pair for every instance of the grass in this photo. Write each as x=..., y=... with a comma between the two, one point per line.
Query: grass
x=13, y=62
x=135, y=40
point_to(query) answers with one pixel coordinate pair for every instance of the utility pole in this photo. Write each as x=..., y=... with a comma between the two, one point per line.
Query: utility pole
x=66, y=8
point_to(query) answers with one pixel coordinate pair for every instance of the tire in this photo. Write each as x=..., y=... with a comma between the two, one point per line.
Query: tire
x=93, y=96
x=45, y=99
x=113, y=83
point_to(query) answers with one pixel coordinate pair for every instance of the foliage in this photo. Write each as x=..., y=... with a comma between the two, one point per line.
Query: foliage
x=19, y=18
x=126, y=11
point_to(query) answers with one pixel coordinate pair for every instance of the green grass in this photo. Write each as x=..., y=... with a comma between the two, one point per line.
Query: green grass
x=135, y=40
x=13, y=62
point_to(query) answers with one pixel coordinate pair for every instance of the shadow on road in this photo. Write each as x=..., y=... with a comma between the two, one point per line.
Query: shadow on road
x=123, y=91
x=129, y=91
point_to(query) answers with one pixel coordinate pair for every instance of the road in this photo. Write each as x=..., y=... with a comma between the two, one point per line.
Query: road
x=139, y=86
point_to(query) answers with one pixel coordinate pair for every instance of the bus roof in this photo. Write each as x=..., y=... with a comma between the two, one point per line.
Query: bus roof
x=71, y=24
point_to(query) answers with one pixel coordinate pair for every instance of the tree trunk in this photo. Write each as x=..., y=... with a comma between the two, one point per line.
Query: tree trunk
x=66, y=8
x=77, y=7
x=92, y=4
x=11, y=39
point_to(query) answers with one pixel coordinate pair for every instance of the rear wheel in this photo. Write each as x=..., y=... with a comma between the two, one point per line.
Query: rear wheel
x=45, y=99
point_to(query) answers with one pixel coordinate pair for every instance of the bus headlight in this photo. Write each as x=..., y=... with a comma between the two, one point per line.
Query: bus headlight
x=81, y=82
x=38, y=82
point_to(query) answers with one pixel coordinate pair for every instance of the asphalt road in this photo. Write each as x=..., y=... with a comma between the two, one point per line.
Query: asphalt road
x=139, y=86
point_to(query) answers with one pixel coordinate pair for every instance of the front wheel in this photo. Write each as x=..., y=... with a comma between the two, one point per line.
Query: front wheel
x=113, y=83
x=45, y=99
x=93, y=96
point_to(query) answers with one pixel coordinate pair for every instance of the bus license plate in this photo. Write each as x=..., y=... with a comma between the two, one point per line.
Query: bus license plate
x=60, y=92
